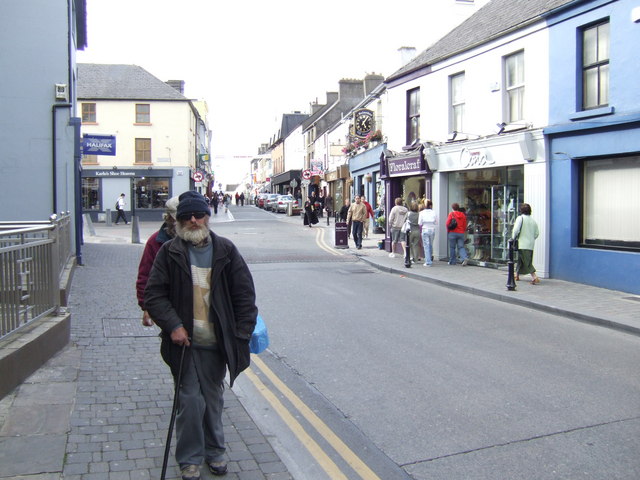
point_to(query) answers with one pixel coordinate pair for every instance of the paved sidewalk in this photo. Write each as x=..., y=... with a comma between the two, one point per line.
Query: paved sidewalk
x=100, y=409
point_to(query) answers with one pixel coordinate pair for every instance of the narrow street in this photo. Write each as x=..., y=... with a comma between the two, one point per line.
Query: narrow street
x=439, y=383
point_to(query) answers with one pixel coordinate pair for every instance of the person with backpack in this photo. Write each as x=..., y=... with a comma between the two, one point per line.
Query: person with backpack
x=120, y=203
x=456, y=227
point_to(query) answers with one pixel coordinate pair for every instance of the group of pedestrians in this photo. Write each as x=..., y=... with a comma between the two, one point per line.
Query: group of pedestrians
x=414, y=225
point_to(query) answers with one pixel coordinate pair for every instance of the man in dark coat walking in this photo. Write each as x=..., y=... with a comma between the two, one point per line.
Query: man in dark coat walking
x=201, y=294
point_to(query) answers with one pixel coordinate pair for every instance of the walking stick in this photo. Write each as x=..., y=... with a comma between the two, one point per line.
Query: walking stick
x=173, y=415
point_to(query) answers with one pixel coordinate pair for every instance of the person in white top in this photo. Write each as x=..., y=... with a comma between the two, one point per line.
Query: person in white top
x=120, y=204
x=428, y=219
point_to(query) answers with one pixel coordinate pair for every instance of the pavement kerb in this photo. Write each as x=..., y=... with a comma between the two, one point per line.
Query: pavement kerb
x=506, y=298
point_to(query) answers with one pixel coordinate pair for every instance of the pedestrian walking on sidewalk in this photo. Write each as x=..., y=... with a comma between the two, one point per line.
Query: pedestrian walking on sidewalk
x=397, y=217
x=525, y=230
x=428, y=219
x=120, y=204
x=456, y=226
x=201, y=294
x=414, y=233
x=344, y=212
x=328, y=204
x=310, y=217
x=357, y=215
x=156, y=240
x=370, y=216
x=214, y=203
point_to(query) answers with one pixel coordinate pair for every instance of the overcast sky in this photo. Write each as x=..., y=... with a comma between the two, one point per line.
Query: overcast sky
x=253, y=60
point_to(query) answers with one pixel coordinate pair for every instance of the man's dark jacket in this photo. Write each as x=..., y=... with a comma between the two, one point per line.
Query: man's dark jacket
x=168, y=298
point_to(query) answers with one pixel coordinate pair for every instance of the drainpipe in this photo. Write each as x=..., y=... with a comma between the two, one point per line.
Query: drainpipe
x=54, y=158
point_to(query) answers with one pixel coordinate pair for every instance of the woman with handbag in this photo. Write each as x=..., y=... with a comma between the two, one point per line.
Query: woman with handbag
x=525, y=231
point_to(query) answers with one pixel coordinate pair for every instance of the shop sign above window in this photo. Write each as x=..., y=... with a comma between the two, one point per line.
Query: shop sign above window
x=404, y=166
x=474, y=158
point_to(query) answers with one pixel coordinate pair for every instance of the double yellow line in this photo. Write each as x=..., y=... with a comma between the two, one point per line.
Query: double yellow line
x=323, y=245
x=329, y=466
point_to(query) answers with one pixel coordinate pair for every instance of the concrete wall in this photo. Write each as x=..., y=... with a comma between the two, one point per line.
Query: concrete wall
x=172, y=132
x=606, y=132
x=35, y=57
x=484, y=92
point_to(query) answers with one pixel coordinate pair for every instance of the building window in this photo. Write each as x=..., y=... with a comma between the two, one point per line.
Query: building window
x=514, y=87
x=151, y=192
x=90, y=159
x=456, y=109
x=595, y=66
x=88, y=113
x=90, y=189
x=143, y=150
x=611, y=203
x=413, y=116
x=143, y=113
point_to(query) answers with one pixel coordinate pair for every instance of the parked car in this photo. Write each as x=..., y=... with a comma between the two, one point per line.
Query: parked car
x=283, y=203
x=260, y=199
x=270, y=201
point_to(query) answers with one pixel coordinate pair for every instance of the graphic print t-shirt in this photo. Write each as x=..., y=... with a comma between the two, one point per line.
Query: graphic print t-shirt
x=204, y=335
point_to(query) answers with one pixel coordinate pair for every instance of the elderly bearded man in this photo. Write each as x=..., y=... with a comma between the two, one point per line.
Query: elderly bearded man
x=201, y=294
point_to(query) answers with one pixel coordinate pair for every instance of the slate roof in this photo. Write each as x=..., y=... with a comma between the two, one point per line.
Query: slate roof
x=122, y=82
x=495, y=19
x=291, y=121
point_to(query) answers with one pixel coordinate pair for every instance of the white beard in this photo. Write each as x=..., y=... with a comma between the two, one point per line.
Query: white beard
x=195, y=236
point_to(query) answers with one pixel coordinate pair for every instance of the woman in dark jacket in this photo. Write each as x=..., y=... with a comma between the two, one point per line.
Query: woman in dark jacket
x=310, y=216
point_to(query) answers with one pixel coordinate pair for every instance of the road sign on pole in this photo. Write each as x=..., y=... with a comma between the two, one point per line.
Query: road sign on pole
x=306, y=174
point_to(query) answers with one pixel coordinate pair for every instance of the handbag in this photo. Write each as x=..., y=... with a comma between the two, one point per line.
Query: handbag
x=406, y=227
x=453, y=224
x=260, y=337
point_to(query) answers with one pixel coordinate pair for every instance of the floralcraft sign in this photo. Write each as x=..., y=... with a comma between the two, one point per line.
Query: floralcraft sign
x=404, y=166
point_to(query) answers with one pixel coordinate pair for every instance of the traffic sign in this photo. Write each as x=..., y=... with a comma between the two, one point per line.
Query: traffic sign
x=306, y=174
x=198, y=177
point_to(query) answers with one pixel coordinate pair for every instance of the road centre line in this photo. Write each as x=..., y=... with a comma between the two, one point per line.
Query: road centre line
x=328, y=465
x=338, y=445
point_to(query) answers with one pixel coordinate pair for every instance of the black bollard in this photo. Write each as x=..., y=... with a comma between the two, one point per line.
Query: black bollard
x=511, y=278
x=407, y=253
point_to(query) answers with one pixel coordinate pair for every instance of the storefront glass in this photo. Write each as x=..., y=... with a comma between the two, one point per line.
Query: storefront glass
x=413, y=190
x=90, y=197
x=151, y=192
x=491, y=200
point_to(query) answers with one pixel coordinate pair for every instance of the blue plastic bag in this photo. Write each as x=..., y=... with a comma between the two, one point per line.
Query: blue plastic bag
x=260, y=337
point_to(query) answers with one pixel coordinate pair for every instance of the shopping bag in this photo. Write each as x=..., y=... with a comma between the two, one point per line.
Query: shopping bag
x=260, y=337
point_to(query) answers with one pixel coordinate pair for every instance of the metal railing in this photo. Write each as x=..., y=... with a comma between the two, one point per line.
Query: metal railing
x=33, y=258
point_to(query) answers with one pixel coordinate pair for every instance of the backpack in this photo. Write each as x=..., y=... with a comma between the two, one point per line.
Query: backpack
x=117, y=205
x=453, y=224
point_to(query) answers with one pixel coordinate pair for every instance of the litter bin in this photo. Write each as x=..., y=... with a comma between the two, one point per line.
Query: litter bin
x=342, y=239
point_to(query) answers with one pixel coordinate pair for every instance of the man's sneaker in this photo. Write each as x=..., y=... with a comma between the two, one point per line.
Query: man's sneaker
x=218, y=468
x=392, y=255
x=189, y=472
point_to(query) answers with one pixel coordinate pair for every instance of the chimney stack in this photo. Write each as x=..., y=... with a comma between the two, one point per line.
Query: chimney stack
x=177, y=84
x=407, y=54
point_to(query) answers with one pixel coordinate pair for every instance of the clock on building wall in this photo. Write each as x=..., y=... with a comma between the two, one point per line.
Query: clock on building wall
x=362, y=122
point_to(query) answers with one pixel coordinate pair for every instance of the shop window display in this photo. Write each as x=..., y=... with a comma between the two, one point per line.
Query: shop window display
x=490, y=198
x=151, y=192
x=90, y=197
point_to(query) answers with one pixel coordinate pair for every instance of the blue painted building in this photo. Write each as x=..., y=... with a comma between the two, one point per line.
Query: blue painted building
x=594, y=143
